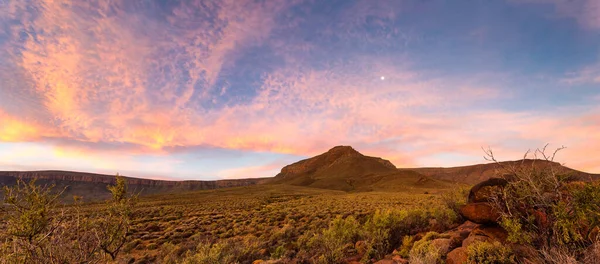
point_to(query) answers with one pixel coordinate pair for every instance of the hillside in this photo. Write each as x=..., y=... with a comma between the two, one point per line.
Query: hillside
x=92, y=186
x=343, y=168
x=476, y=173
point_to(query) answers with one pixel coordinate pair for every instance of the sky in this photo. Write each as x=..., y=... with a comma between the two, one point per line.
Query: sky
x=240, y=88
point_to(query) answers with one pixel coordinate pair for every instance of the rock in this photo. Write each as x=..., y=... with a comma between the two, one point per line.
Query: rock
x=481, y=213
x=456, y=238
x=494, y=232
x=457, y=256
x=483, y=191
x=467, y=226
x=475, y=238
x=443, y=244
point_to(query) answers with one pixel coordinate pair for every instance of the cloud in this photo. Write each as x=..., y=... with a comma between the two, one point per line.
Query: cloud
x=587, y=75
x=585, y=12
x=117, y=79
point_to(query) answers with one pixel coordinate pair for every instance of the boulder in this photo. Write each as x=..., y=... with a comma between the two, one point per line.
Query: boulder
x=457, y=256
x=483, y=191
x=481, y=213
x=467, y=226
x=456, y=238
x=443, y=244
x=494, y=232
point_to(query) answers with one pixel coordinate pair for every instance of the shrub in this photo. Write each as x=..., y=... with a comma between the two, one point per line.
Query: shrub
x=540, y=208
x=39, y=231
x=407, y=244
x=425, y=252
x=489, y=253
x=456, y=198
x=330, y=246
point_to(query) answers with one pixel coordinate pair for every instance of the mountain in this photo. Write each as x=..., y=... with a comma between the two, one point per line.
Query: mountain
x=476, y=173
x=92, y=186
x=343, y=168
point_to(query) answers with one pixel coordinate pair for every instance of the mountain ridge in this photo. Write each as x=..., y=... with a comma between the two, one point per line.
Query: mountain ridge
x=340, y=168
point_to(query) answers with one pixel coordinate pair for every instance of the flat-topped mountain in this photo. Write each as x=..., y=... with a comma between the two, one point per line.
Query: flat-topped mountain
x=92, y=186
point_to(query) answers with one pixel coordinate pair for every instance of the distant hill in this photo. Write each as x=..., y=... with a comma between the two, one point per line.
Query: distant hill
x=343, y=168
x=92, y=186
x=476, y=173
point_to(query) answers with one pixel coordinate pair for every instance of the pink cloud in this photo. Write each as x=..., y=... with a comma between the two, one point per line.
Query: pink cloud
x=94, y=77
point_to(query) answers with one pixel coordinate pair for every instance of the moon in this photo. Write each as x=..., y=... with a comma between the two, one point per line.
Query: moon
x=382, y=78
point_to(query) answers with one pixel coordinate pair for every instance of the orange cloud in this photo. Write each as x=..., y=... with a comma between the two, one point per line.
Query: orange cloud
x=109, y=79
x=14, y=130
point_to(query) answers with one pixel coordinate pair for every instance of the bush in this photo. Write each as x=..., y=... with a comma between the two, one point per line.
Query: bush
x=39, y=231
x=385, y=229
x=425, y=252
x=489, y=253
x=234, y=250
x=330, y=246
x=541, y=208
x=456, y=198
x=407, y=244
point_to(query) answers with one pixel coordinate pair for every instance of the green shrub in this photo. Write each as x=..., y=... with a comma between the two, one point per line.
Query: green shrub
x=489, y=253
x=330, y=246
x=516, y=234
x=169, y=253
x=424, y=252
x=41, y=231
x=407, y=244
x=278, y=253
x=206, y=253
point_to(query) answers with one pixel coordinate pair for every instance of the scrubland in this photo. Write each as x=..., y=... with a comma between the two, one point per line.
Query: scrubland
x=535, y=216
